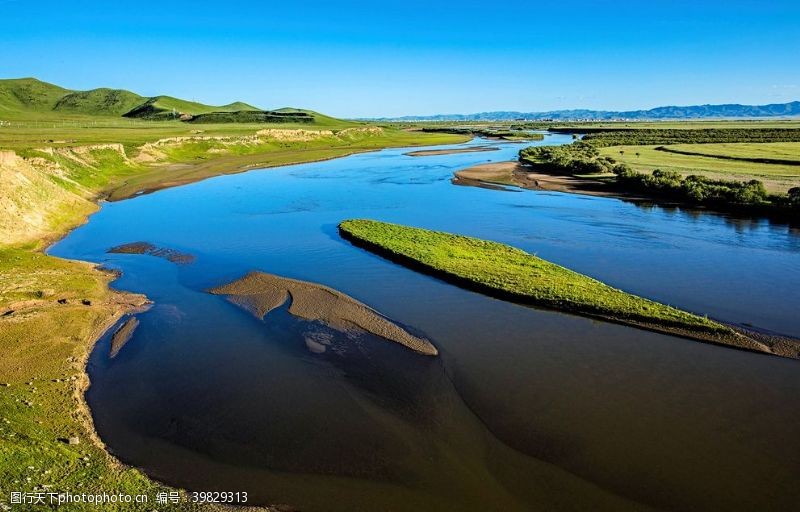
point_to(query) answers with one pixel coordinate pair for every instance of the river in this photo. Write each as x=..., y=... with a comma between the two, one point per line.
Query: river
x=524, y=409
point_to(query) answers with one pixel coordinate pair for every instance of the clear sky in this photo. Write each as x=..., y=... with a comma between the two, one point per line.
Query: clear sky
x=388, y=58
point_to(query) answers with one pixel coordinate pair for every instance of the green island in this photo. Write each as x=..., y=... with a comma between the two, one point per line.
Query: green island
x=509, y=273
x=62, y=151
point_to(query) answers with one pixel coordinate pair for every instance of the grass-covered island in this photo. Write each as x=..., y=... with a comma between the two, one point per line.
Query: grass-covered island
x=509, y=273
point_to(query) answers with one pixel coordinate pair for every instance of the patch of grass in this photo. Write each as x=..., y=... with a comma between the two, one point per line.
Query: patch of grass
x=50, y=311
x=776, y=177
x=508, y=272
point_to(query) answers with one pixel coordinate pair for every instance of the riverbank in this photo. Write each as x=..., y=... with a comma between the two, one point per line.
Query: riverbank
x=508, y=273
x=52, y=311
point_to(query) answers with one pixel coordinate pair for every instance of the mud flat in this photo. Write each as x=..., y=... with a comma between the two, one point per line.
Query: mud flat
x=434, y=152
x=260, y=293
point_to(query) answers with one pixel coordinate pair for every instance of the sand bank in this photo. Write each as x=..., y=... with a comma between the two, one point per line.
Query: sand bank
x=159, y=252
x=514, y=173
x=260, y=293
x=433, y=152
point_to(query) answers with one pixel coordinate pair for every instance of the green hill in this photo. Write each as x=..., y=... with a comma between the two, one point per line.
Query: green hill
x=31, y=99
x=20, y=95
x=167, y=107
x=107, y=102
x=319, y=119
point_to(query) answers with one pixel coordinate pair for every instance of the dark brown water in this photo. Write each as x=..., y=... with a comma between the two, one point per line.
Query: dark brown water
x=524, y=410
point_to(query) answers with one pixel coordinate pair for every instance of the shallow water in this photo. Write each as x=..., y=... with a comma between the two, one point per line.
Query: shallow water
x=524, y=409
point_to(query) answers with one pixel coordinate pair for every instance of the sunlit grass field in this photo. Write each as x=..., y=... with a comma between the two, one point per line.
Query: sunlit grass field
x=776, y=177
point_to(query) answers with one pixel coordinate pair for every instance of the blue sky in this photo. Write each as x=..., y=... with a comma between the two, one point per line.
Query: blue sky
x=387, y=58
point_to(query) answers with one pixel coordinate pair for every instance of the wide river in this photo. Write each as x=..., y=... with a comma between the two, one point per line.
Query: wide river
x=524, y=409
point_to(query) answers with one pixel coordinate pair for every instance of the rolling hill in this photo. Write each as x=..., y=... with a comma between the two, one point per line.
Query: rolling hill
x=108, y=102
x=19, y=95
x=167, y=107
x=32, y=99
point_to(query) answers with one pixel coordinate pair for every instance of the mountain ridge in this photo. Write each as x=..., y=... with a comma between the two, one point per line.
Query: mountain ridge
x=708, y=111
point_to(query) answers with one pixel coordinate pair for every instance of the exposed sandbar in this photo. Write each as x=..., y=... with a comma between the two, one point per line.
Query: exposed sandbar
x=260, y=293
x=122, y=335
x=514, y=173
x=433, y=152
x=159, y=252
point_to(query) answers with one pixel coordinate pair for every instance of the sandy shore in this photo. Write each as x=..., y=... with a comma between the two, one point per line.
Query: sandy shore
x=433, y=152
x=260, y=293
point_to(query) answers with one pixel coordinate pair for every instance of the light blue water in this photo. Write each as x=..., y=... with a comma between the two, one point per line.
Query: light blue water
x=525, y=409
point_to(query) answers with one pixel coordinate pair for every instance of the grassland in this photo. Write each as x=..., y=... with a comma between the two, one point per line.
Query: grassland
x=58, y=308
x=509, y=273
x=736, y=161
x=54, y=166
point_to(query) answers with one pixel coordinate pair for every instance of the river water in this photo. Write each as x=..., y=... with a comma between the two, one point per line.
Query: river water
x=523, y=410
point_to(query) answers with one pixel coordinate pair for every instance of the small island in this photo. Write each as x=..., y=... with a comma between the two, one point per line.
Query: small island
x=509, y=273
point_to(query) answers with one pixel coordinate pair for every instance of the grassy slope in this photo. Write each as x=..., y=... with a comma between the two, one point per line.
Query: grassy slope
x=776, y=177
x=30, y=99
x=510, y=273
x=45, y=341
x=105, y=102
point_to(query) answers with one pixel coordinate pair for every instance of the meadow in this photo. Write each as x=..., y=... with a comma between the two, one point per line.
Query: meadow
x=735, y=161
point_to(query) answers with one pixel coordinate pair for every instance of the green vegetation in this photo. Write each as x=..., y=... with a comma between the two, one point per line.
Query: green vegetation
x=770, y=163
x=167, y=108
x=777, y=153
x=253, y=116
x=28, y=95
x=507, y=272
x=107, y=102
x=750, y=195
x=42, y=379
x=579, y=158
x=649, y=136
x=32, y=99
x=586, y=160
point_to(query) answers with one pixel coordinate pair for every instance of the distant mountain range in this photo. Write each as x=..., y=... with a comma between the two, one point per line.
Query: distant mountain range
x=727, y=111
